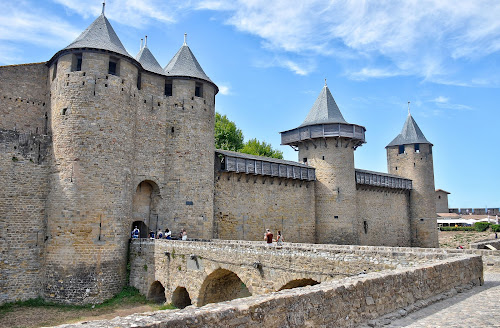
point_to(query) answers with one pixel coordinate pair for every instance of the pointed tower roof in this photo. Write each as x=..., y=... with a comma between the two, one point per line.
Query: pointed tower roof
x=148, y=61
x=324, y=110
x=99, y=35
x=410, y=134
x=184, y=63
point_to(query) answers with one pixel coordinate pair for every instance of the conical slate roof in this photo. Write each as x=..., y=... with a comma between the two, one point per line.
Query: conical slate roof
x=148, y=61
x=411, y=134
x=324, y=110
x=184, y=63
x=99, y=35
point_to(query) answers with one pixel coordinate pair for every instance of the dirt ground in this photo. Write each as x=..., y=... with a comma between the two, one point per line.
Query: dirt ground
x=453, y=239
x=31, y=317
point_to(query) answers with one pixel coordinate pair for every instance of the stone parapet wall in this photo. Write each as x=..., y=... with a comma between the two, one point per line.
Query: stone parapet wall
x=345, y=303
x=246, y=205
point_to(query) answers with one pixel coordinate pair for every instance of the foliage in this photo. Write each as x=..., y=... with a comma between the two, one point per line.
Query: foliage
x=481, y=226
x=168, y=306
x=227, y=135
x=255, y=147
x=456, y=228
x=495, y=227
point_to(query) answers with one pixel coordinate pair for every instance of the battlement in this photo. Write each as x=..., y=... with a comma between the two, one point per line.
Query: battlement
x=383, y=180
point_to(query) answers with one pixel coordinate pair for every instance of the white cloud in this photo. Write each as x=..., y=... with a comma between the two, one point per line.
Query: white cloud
x=367, y=73
x=440, y=100
x=224, y=90
x=424, y=38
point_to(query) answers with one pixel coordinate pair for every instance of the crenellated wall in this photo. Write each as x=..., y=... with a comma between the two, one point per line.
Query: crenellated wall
x=246, y=205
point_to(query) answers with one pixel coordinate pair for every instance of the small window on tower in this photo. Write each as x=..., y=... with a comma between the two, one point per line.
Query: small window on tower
x=76, y=64
x=417, y=148
x=168, y=88
x=439, y=197
x=114, y=67
x=54, y=72
x=198, y=90
x=304, y=160
x=401, y=149
x=139, y=81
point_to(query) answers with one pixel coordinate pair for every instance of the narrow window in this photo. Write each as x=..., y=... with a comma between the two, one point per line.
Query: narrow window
x=63, y=111
x=198, y=90
x=401, y=149
x=365, y=226
x=417, y=148
x=139, y=82
x=335, y=216
x=54, y=72
x=113, y=67
x=78, y=62
x=304, y=160
x=168, y=88
x=439, y=197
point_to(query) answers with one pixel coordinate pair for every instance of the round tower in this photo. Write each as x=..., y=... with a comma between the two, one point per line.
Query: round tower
x=93, y=85
x=327, y=142
x=410, y=155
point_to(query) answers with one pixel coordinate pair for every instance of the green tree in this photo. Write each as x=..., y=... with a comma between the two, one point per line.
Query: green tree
x=255, y=147
x=227, y=135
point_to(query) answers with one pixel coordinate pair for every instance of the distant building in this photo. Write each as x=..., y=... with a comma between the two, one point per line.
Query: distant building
x=441, y=201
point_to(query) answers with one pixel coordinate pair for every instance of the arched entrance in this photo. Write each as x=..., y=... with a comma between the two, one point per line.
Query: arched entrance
x=157, y=293
x=145, y=207
x=143, y=228
x=222, y=285
x=180, y=298
x=299, y=283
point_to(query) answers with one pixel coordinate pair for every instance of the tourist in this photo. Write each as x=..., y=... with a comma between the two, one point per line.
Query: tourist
x=168, y=234
x=151, y=234
x=268, y=237
x=184, y=235
x=160, y=234
x=279, y=239
x=135, y=233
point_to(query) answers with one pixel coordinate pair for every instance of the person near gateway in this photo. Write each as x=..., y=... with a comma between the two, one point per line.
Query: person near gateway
x=135, y=233
x=279, y=239
x=268, y=237
x=168, y=234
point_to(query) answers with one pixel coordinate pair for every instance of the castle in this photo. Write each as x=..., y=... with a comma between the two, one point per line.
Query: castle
x=95, y=141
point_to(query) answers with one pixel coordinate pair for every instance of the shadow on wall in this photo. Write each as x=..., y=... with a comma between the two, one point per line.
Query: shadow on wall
x=222, y=285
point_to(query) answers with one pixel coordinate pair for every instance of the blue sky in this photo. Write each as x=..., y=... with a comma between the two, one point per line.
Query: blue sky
x=270, y=59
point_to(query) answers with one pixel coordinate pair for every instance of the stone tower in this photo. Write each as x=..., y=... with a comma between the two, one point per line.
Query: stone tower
x=132, y=142
x=410, y=155
x=327, y=142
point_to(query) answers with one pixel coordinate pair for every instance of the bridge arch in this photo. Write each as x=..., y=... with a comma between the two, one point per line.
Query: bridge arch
x=299, y=283
x=181, y=298
x=157, y=292
x=222, y=285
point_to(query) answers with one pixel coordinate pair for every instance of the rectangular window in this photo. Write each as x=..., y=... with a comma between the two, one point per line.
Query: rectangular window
x=168, y=89
x=417, y=148
x=139, y=82
x=198, y=90
x=401, y=149
x=113, y=67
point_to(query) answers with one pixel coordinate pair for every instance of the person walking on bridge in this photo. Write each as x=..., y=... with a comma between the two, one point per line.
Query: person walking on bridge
x=268, y=237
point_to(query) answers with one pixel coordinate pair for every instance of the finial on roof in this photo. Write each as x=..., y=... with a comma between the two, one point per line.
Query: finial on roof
x=141, y=44
x=185, y=39
x=103, y=5
x=145, y=41
x=325, y=82
x=408, y=108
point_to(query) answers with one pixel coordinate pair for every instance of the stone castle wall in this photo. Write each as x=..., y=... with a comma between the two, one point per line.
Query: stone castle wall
x=24, y=170
x=246, y=205
x=23, y=98
x=386, y=213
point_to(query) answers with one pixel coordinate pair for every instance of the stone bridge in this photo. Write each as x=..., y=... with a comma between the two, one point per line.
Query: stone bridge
x=198, y=273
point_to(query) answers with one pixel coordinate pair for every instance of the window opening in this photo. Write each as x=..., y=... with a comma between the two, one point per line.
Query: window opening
x=365, y=226
x=78, y=62
x=54, y=72
x=401, y=149
x=198, y=90
x=139, y=81
x=168, y=89
x=113, y=67
x=335, y=216
x=304, y=160
x=417, y=148
x=439, y=197
x=63, y=111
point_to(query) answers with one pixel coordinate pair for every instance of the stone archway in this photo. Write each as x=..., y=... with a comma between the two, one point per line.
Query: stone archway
x=222, y=285
x=180, y=298
x=299, y=283
x=145, y=203
x=157, y=293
